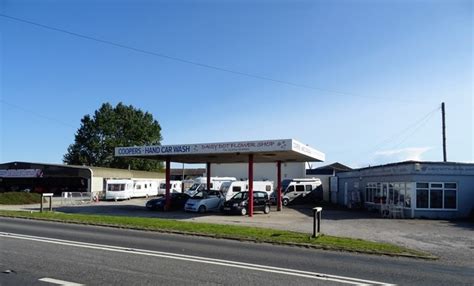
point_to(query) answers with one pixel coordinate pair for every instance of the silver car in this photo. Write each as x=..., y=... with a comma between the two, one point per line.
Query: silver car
x=205, y=201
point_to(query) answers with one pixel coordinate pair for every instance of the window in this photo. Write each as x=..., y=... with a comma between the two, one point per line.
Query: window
x=268, y=188
x=450, y=195
x=370, y=191
x=421, y=198
x=436, y=195
x=300, y=188
x=309, y=188
x=449, y=199
x=408, y=195
x=290, y=189
x=236, y=189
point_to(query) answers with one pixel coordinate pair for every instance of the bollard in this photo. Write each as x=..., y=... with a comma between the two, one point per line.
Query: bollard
x=317, y=218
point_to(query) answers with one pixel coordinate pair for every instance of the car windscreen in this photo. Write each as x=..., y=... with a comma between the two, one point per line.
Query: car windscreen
x=240, y=196
x=225, y=188
x=194, y=187
x=285, y=184
x=200, y=195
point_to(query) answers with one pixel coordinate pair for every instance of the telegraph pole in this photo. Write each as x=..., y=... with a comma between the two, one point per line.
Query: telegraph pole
x=444, y=131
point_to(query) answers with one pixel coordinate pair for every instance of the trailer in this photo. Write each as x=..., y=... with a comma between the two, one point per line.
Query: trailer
x=175, y=187
x=124, y=189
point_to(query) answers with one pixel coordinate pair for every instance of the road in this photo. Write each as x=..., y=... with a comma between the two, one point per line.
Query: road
x=46, y=253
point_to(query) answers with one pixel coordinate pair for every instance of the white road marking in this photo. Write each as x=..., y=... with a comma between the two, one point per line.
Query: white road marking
x=227, y=263
x=59, y=282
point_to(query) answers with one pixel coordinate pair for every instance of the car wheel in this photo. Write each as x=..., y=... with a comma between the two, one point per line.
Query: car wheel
x=286, y=202
x=266, y=210
x=243, y=211
x=202, y=209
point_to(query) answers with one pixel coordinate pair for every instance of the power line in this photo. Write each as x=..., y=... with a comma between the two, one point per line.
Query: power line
x=28, y=111
x=190, y=62
x=413, y=125
x=426, y=119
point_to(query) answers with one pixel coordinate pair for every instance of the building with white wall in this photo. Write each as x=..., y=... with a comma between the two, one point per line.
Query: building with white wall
x=262, y=171
x=441, y=190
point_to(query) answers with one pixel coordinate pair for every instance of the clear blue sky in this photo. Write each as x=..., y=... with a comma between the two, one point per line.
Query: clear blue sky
x=375, y=70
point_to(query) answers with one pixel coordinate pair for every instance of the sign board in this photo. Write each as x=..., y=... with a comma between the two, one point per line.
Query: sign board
x=21, y=173
x=220, y=148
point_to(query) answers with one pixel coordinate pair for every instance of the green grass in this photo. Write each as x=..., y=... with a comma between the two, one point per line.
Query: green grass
x=227, y=231
x=19, y=198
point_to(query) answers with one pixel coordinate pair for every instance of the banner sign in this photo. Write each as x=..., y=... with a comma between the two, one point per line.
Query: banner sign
x=21, y=173
x=222, y=148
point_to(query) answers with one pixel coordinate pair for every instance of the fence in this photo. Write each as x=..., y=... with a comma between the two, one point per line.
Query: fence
x=77, y=198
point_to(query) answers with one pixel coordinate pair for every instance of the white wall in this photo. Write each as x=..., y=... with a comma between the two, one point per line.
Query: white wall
x=261, y=171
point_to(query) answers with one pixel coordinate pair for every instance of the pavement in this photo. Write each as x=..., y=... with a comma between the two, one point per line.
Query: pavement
x=35, y=252
x=452, y=241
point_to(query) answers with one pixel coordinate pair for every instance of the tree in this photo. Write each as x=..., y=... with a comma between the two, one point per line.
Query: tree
x=111, y=127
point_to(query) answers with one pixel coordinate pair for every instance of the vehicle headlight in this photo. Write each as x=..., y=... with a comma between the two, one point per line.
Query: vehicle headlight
x=244, y=203
x=235, y=205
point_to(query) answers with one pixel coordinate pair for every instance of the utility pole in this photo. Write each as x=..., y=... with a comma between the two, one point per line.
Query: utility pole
x=444, y=131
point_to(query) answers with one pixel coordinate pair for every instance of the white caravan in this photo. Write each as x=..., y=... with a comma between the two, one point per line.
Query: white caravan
x=175, y=187
x=300, y=188
x=118, y=189
x=145, y=188
x=200, y=184
x=124, y=189
x=229, y=189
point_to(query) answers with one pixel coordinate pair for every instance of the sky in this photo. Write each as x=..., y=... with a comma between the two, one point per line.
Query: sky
x=361, y=81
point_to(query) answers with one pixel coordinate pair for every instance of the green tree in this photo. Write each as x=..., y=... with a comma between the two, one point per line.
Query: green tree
x=112, y=127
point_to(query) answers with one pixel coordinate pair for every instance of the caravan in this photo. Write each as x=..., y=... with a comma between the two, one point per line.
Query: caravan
x=175, y=187
x=118, y=189
x=200, y=184
x=124, y=189
x=229, y=189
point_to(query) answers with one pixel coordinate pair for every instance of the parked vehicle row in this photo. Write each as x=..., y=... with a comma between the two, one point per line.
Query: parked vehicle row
x=206, y=201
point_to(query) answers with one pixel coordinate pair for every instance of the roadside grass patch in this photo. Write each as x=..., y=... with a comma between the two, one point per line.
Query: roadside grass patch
x=19, y=198
x=229, y=232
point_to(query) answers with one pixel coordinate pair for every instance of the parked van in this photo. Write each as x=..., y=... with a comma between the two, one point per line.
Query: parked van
x=300, y=190
x=200, y=184
x=174, y=188
x=229, y=189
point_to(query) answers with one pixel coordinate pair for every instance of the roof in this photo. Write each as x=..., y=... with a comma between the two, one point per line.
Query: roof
x=96, y=171
x=285, y=150
x=328, y=169
x=414, y=162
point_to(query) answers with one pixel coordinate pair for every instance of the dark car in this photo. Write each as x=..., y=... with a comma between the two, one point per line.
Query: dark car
x=177, y=202
x=239, y=203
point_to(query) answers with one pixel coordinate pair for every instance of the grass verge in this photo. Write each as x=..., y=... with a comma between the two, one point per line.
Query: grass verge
x=243, y=233
x=19, y=198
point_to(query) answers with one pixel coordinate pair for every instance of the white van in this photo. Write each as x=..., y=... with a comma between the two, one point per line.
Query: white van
x=200, y=184
x=305, y=188
x=174, y=188
x=229, y=189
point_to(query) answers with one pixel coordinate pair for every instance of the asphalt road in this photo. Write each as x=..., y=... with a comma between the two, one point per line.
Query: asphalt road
x=45, y=253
